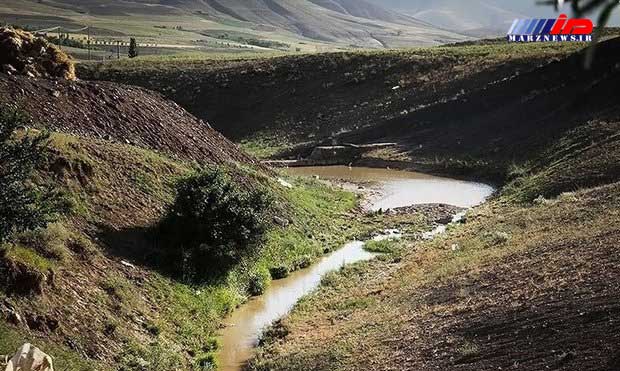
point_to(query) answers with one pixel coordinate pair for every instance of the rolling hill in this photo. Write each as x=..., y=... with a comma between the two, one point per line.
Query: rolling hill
x=322, y=24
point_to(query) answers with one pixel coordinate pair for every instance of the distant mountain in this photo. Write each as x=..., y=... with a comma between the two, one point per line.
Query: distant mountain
x=344, y=22
x=474, y=17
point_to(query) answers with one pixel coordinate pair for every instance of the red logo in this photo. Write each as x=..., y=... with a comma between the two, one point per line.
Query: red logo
x=573, y=26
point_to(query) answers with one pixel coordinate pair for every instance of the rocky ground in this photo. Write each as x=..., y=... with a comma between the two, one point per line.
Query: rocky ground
x=120, y=114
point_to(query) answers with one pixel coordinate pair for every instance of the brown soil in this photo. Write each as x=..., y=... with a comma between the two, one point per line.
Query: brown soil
x=552, y=305
x=549, y=308
x=120, y=114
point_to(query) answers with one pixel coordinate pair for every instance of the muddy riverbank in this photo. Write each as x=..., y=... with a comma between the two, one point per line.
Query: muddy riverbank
x=385, y=191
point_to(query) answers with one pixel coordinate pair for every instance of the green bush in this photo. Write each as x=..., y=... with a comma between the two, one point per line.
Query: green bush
x=382, y=246
x=279, y=272
x=212, y=224
x=259, y=281
x=23, y=205
x=496, y=238
x=304, y=262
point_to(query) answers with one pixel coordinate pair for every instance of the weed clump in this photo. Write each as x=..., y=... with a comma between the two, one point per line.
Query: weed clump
x=496, y=238
x=386, y=246
x=208, y=362
x=279, y=272
x=50, y=242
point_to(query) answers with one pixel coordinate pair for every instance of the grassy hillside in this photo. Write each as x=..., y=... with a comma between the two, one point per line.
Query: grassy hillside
x=111, y=313
x=97, y=295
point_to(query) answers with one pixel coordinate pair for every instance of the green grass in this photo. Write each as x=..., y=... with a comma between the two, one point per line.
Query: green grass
x=383, y=246
x=263, y=147
x=28, y=256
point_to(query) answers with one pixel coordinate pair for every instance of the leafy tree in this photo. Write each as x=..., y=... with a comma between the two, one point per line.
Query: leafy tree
x=133, y=48
x=23, y=205
x=582, y=7
x=212, y=224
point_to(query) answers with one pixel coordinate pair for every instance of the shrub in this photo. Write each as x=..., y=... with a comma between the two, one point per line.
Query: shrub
x=279, y=272
x=382, y=246
x=152, y=328
x=211, y=345
x=258, y=283
x=496, y=238
x=207, y=362
x=304, y=262
x=212, y=224
x=23, y=205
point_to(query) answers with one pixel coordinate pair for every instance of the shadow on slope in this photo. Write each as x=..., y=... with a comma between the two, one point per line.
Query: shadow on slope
x=511, y=120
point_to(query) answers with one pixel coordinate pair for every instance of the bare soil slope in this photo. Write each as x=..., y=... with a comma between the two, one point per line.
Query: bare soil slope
x=119, y=113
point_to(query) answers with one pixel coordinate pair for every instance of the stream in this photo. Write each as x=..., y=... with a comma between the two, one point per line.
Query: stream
x=396, y=189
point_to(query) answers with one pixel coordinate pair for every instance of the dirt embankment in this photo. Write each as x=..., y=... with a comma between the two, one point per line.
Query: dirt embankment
x=23, y=53
x=118, y=113
x=86, y=289
x=294, y=99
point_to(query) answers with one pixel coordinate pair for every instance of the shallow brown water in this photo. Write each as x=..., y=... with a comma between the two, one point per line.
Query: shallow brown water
x=398, y=188
x=246, y=323
x=404, y=188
